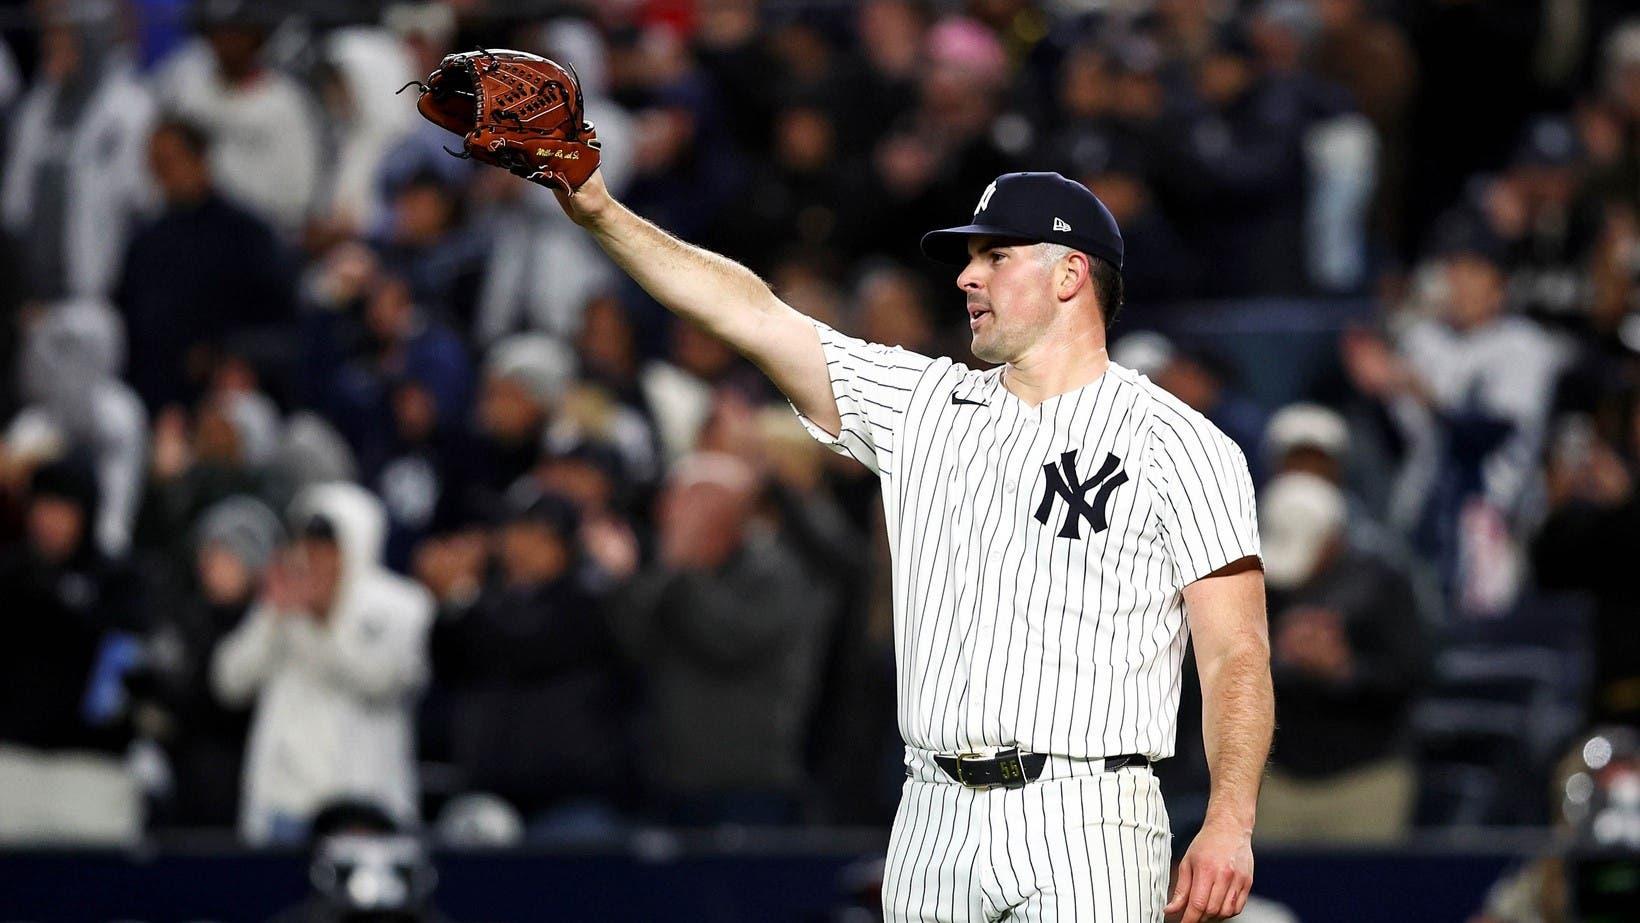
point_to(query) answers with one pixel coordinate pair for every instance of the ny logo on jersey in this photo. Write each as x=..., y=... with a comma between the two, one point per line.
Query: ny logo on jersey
x=1065, y=486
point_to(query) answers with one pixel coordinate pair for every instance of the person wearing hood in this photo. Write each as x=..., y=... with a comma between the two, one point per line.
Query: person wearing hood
x=71, y=360
x=74, y=177
x=64, y=722
x=333, y=654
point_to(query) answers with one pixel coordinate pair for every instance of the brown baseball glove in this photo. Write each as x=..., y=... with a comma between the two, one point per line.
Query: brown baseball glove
x=514, y=110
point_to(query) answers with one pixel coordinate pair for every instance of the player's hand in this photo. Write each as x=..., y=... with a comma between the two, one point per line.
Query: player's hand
x=585, y=205
x=1215, y=875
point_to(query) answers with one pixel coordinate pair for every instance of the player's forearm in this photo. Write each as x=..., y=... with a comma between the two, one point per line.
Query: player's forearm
x=720, y=295
x=1238, y=719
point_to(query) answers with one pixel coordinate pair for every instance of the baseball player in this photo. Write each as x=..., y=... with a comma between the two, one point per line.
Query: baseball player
x=1057, y=524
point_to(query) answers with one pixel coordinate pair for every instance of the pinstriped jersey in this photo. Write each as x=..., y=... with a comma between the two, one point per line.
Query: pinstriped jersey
x=1039, y=553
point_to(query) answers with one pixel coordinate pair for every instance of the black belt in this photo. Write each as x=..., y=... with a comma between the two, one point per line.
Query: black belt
x=1012, y=768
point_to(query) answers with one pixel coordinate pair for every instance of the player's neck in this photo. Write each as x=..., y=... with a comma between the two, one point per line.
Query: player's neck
x=1056, y=369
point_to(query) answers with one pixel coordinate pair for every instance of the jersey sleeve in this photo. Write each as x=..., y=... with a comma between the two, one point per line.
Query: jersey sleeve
x=873, y=384
x=1205, y=496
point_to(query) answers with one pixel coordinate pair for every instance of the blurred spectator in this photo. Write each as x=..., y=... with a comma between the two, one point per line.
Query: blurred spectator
x=538, y=715
x=264, y=141
x=70, y=367
x=333, y=654
x=1369, y=55
x=226, y=450
x=810, y=194
x=362, y=65
x=64, y=724
x=1340, y=146
x=892, y=306
x=1348, y=653
x=928, y=166
x=727, y=626
x=232, y=546
x=1586, y=542
x=398, y=379
x=525, y=378
x=1467, y=392
x=1545, y=221
x=426, y=239
x=607, y=351
x=1201, y=379
x=731, y=47
x=890, y=33
x=678, y=183
x=312, y=452
x=541, y=269
x=198, y=278
x=1611, y=127
x=74, y=177
x=680, y=390
x=1161, y=267
x=1233, y=149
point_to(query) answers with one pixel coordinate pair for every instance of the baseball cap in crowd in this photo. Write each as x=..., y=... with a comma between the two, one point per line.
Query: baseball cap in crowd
x=1306, y=426
x=1039, y=207
x=1146, y=352
x=556, y=513
x=245, y=526
x=1298, y=514
x=1462, y=233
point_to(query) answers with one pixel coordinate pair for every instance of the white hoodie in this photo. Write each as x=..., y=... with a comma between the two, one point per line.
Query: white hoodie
x=334, y=699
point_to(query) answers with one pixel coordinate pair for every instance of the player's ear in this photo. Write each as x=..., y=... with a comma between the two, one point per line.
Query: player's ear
x=1072, y=275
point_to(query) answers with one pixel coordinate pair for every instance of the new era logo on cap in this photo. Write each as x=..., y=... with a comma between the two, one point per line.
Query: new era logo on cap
x=1044, y=207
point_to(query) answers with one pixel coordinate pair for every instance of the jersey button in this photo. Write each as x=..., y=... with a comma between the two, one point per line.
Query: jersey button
x=1010, y=484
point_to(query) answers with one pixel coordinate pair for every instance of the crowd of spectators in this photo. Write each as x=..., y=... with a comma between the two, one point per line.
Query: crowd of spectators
x=334, y=467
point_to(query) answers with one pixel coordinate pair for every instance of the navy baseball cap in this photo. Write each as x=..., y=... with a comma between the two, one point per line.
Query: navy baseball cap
x=1039, y=207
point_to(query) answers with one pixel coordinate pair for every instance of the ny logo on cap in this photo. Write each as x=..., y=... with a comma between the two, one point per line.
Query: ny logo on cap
x=1060, y=225
x=985, y=198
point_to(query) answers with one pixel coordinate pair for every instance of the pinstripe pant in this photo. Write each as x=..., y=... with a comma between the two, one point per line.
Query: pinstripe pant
x=1076, y=844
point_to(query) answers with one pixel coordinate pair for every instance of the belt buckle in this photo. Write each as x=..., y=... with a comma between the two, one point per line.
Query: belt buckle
x=962, y=775
x=1010, y=764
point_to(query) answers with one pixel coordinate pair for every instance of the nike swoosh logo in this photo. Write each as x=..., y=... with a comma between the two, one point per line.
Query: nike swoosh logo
x=963, y=400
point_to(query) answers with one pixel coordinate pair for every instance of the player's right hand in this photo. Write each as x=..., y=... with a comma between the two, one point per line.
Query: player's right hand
x=1215, y=876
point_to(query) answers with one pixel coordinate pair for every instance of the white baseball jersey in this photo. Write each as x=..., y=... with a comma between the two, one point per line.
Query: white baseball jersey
x=1038, y=552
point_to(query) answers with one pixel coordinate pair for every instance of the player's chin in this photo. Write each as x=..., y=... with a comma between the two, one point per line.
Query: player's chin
x=984, y=348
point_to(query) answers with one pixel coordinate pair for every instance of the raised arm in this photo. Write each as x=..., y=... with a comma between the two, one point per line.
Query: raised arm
x=1231, y=634
x=723, y=297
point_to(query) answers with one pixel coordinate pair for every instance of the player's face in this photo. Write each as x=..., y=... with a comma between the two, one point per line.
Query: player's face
x=1009, y=297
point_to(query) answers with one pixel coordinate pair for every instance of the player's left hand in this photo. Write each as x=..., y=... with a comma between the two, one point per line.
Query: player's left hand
x=1215, y=875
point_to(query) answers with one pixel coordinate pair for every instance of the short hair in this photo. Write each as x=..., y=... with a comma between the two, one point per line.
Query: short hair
x=189, y=132
x=1107, y=279
x=1107, y=285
